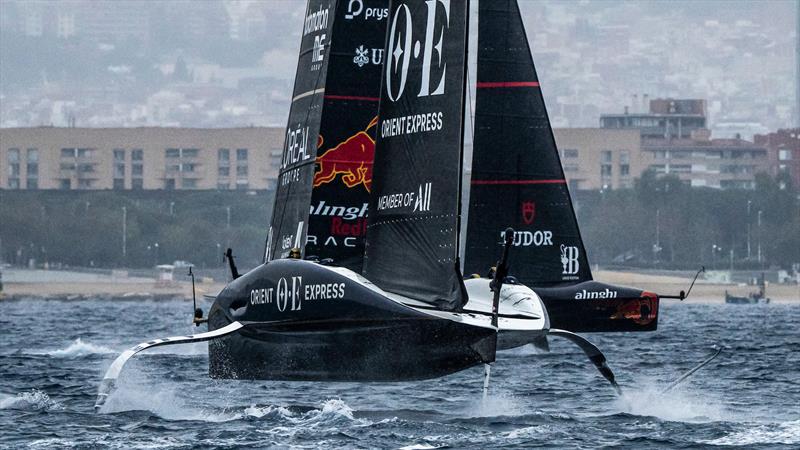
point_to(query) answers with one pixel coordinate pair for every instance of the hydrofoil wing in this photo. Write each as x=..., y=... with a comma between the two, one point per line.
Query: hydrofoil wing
x=113, y=372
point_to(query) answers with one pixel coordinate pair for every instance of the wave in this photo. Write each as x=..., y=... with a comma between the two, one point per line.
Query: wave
x=422, y=447
x=165, y=402
x=332, y=414
x=76, y=349
x=170, y=403
x=33, y=400
x=786, y=433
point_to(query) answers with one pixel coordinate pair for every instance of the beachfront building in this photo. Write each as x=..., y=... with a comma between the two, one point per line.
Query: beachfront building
x=140, y=158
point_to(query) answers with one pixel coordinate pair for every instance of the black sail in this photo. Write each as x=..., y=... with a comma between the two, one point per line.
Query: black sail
x=517, y=179
x=413, y=228
x=289, y=224
x=343, y=175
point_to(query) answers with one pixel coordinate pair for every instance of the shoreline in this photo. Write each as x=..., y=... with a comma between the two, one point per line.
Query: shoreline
x=147, y=289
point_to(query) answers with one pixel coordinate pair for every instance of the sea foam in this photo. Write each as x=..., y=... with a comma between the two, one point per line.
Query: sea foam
x=786, y=433
x=76, y=349
x=33, y=400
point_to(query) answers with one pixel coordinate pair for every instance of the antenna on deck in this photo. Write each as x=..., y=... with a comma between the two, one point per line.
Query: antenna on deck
x=198, y=312
x=231, y=263
x=500, y=274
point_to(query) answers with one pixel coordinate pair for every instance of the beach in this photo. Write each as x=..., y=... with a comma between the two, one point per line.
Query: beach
x=70, y=285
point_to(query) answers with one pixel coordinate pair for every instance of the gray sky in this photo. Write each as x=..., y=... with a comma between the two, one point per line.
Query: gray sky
x=113, y=63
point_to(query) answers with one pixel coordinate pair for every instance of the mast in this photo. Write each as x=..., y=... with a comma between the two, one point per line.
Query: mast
x=412, y=241
x=517, y=178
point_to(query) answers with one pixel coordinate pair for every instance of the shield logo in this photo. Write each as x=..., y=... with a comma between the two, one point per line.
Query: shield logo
x=528, y=212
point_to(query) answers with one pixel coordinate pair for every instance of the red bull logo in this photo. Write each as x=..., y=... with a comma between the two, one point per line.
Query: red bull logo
x=352, y=159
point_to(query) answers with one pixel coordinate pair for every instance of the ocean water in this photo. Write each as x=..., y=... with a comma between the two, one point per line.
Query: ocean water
x=53, y=355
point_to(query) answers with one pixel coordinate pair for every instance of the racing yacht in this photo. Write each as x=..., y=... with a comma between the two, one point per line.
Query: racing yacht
x=375, y=125
x=518, y=181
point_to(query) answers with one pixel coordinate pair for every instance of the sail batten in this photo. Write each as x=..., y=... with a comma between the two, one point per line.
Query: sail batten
x=505, y=84
x=517, y=179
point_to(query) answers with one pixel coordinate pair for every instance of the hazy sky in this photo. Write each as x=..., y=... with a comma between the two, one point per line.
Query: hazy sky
x=112, y=63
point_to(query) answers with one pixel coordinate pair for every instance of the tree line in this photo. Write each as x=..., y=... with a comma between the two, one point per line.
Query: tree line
x=86, y=229
x=661, y=222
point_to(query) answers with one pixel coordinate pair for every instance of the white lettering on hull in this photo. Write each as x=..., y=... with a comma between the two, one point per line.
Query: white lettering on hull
x=290, y=293
x=586, y=295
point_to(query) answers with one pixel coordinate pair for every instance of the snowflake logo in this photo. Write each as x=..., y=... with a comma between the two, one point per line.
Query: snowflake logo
x=361, y=56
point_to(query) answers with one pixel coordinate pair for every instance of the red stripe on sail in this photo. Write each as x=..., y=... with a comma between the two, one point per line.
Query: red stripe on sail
x=506, y=84
x=351, y=97
x=517, y=182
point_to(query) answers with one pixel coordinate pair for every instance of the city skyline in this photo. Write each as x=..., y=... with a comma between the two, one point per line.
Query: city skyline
x=231, y=64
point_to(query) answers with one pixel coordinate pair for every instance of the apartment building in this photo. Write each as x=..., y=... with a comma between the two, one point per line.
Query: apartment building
x=702, y=161
x=597, y=158
x=784, y=146
x=667, y=118
x=249, y=158
x=140, y=158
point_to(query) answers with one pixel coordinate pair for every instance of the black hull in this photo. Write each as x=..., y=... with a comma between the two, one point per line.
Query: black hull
x=592, y=306
x=363, y=336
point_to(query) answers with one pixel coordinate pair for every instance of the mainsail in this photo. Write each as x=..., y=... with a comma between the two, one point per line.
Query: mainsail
x=517, y=179
x=343, y=176
x=412, y=242
x=290, y=215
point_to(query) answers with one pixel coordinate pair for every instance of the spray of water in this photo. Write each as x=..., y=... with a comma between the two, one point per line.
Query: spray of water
x=139, y=391
x=78, y=348
x=33, y=400
x=496, y=403
x=680, y=404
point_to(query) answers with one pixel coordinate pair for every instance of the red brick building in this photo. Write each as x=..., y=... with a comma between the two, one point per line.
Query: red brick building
x=784, y=148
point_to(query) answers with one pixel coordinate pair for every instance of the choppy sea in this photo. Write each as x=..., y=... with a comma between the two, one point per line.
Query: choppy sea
x=54, y=353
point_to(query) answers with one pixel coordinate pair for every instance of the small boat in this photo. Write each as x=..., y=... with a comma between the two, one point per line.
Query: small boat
x=754, y=298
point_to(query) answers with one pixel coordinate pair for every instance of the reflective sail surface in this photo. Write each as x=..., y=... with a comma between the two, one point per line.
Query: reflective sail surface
x=517, y=179
x=414, y=209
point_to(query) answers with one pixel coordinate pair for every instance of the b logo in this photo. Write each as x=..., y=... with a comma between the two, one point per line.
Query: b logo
x=569, y=260
x=528, y=212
